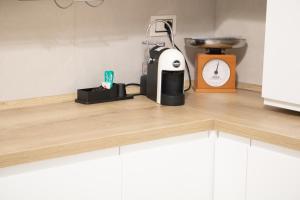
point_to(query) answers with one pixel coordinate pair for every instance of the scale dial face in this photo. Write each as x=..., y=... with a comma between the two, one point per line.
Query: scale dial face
x=216, y=73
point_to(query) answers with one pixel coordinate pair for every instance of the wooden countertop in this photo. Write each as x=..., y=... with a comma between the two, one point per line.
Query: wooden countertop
x=49, y=131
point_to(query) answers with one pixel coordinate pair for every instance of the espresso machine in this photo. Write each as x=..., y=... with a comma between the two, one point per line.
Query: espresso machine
x=164, y=78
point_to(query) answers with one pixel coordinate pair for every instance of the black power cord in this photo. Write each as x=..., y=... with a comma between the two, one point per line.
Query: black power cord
x=187, y=66
x=133, y=84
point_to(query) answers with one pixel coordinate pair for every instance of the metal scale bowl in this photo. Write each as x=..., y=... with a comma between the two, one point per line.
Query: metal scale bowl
x=216, y=45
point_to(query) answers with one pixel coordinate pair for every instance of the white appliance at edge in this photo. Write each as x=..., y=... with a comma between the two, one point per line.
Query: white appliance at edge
x=281, y=76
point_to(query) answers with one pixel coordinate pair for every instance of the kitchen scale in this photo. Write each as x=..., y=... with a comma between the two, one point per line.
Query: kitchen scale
x=215, y=70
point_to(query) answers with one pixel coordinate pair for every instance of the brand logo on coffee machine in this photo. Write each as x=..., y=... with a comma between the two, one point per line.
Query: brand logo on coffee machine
x=176, y=63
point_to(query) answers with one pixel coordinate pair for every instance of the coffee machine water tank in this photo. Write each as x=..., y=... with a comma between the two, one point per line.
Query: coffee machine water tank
x=165, y=76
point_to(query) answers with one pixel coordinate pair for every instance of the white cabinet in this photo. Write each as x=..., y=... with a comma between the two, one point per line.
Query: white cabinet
x=281, y=83
x=90, y=176
x=231, y=154
x=170, y=169
x=196, y=166
x=273, y=173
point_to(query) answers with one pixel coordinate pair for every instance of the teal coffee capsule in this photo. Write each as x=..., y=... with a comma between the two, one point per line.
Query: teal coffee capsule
x=108, y=79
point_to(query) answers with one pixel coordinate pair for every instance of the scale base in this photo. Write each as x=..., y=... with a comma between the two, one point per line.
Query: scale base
x=215, y=90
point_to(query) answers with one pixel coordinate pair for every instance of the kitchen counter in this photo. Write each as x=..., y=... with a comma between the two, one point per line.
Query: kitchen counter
x=55, y=130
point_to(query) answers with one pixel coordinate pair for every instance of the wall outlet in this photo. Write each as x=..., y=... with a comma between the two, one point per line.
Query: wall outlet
x=158, y=29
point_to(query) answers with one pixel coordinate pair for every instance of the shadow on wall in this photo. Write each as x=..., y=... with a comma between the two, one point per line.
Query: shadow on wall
x=254, y=10
x=50, y=51
x=240, y=18
x=42, y=23
x=246, y=19
x=26, y=22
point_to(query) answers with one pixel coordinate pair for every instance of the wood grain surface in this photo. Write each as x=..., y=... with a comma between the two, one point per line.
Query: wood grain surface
x=54, y=130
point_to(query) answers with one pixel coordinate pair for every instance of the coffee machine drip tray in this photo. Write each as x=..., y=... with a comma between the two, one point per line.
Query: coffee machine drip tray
x=216, y=42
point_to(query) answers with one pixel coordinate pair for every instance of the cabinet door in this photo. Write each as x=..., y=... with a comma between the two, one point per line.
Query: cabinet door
x=281, y=83
x=230, y=167
x=273, y=173
x=90, y=176
x=170, y=169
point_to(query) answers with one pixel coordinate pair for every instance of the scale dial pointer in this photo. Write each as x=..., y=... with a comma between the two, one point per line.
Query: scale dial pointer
x=217, y=70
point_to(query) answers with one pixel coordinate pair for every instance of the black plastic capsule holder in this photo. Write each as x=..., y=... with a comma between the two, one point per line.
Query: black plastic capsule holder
x=101, y=95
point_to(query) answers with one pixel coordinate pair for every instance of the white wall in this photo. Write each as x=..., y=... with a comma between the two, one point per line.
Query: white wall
x=47, y=51
x=245, y=18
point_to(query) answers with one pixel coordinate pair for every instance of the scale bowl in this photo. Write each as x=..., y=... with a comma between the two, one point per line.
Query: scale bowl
x=216, y=43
